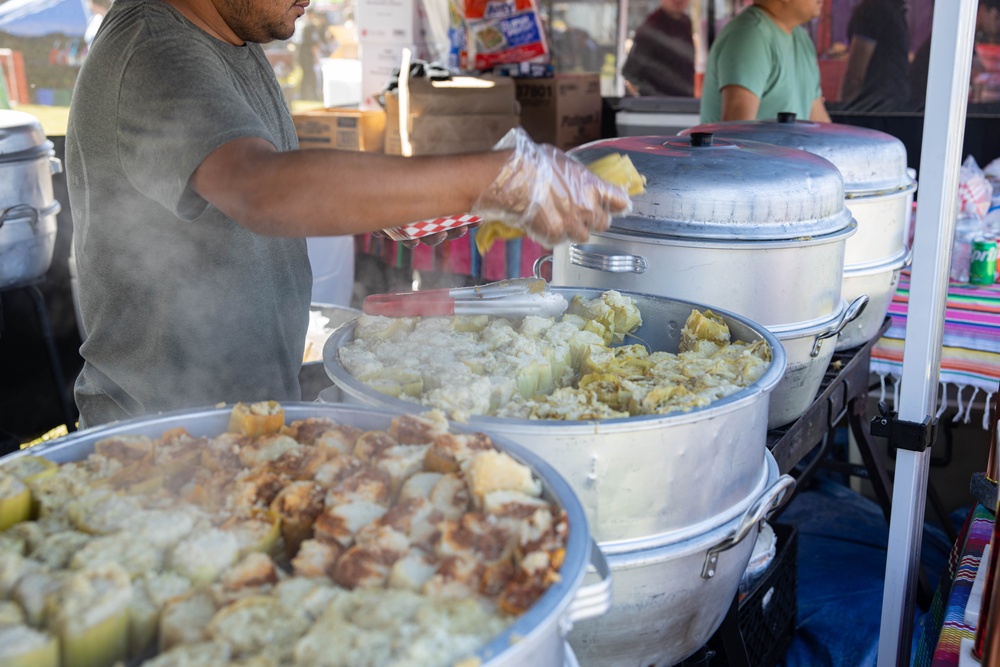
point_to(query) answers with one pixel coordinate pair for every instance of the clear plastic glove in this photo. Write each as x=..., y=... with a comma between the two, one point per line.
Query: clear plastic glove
x=548, y=194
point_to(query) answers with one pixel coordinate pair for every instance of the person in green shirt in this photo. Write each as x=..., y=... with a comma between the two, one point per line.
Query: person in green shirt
x=763, y=63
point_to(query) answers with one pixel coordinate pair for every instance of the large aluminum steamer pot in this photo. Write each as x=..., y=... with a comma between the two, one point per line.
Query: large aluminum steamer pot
x=27, y=207
x=672, y=595
x=877, y=187
x=878, y=283
x=535, y=638
x=809, y=348
x=752, y=228
x=645, y=475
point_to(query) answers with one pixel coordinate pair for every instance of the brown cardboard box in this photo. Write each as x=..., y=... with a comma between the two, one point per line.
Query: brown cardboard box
x=564, y=110
x=343, y=128
x=465, y=115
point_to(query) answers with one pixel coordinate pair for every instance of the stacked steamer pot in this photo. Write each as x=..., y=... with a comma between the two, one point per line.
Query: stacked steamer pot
x=756, y=229
x=673, y=500
x=878, y=191
x=27, y=207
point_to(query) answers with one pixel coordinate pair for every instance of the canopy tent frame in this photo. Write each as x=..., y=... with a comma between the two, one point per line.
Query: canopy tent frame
x=952, y=40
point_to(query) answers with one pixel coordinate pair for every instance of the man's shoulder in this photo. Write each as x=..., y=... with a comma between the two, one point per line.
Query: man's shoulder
x=749, y=27
x=150, y=20
x=750, y=24
x=751, y=18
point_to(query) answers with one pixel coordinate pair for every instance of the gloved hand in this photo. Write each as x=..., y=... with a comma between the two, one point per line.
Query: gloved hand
x=548, y=194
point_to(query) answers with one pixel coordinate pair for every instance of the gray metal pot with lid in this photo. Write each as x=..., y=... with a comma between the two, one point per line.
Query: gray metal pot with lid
x=28, y=208
x=701, y=186
x=877, y=187
x=744, y=226
x=878, y=190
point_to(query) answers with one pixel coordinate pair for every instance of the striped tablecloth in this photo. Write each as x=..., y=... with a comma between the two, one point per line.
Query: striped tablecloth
x=944, y=625
x=970, y=356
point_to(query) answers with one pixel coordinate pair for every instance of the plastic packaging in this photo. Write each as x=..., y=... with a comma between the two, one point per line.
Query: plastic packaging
x=548, y=194
x=968, y=227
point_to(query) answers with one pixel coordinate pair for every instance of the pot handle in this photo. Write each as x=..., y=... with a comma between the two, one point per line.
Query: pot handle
x=536, y=268
x=18, y=211
x=591, y=258
x=594, y=599
x=55, y=165
x=772, y=499
x=851, y=313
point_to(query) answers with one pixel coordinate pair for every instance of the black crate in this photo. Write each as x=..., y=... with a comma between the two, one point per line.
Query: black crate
x=767, y=614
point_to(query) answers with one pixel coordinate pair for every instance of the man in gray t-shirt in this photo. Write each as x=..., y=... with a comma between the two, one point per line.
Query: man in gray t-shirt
x=191, y=204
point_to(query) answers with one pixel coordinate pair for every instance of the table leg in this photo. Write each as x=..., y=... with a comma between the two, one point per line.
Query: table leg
x=877, y=473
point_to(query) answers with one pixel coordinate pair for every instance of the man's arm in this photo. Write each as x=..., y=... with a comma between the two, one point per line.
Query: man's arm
x=818, y=113
x=320, y=192
x=738, y=103
x=858, y=58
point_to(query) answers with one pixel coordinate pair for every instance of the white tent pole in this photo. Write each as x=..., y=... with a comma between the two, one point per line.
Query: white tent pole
x=952, y=39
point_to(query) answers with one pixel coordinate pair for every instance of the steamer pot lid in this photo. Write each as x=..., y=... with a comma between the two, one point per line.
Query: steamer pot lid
x=20, y=133
x=870, y=161
x=699, y=186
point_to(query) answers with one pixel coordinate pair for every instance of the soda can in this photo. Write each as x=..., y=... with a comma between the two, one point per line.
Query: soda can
x=983, y=267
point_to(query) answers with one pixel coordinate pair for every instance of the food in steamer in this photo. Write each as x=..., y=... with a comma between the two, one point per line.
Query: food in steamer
x=586, y=365
x=313, y=543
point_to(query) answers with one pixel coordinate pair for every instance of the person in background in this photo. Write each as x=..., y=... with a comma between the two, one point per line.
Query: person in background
x=98, y=8
x=987, y=29
x=661, y=61
x=310, y=49
x=877, y=76
x=764, y=63
x=191, y=203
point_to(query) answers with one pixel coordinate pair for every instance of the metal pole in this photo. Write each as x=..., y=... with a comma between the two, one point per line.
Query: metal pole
x=620, y=47
x=944, y=129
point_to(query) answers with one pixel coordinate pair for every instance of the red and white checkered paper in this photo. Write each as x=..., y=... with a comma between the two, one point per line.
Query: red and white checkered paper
x=416, y=230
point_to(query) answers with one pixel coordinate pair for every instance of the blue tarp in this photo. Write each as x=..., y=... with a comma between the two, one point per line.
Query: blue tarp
x=843, y=546
x=37, y=18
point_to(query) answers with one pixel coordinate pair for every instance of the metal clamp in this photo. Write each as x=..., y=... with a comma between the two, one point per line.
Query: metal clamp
x=591, y=600
x=590, y=258
x=773, y=498
x=911, y=436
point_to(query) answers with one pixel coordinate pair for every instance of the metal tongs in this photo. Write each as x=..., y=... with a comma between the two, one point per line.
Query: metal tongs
x=515, y=297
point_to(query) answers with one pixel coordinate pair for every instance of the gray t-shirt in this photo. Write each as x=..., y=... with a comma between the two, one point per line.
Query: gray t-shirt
x=183, y=307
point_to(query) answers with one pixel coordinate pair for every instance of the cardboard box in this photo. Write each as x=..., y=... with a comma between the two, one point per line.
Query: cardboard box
x=564, y=110
x=345, y=129
x=378, y=61
x=390, y=21
x=451, y=124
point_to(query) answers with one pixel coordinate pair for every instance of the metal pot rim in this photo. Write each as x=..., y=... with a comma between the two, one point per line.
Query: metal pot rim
x=350, y=385
x=768, y=474
x=734, y=241
x=897, y=261
x=647, y=226
x=806, y=328
x=882, y=193
x=667, y=547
